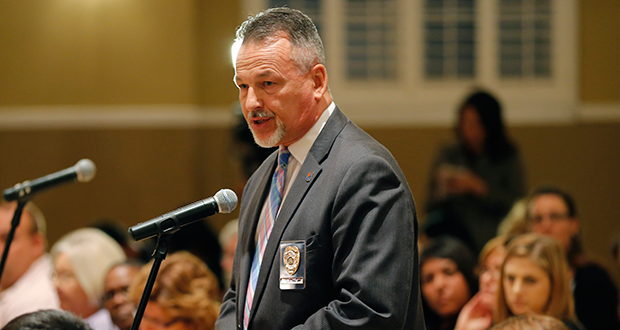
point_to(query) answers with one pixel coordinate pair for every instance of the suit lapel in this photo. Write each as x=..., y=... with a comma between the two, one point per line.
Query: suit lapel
x=258, y=192
x=309, y=172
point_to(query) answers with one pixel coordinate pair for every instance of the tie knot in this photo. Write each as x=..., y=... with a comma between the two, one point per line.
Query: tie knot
x=284, y=156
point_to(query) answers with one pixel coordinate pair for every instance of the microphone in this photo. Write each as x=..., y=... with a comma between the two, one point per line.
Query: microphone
x=224, y=201
x=83, y=171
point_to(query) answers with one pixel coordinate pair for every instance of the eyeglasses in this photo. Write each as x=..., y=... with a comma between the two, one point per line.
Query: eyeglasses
x=553, y=217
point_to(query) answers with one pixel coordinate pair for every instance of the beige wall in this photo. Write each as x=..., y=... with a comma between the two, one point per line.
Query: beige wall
x=600, y=51
x=154, y=52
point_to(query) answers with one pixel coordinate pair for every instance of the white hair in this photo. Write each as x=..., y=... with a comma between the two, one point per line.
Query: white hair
x=91, y=253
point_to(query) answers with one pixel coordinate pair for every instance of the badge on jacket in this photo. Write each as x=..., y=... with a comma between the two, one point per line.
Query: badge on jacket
x=292, y=265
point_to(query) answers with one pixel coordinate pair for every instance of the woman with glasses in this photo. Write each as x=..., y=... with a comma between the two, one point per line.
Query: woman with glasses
x=553, y=212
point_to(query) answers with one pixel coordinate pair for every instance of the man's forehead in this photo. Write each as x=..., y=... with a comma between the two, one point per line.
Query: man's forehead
x=265, y=73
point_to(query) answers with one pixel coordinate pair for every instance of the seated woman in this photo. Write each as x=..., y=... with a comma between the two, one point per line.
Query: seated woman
x=535, y=279
x=82, y=259
x=448, y=281
x=477, y=314
x=553, y=212
x=184, y=295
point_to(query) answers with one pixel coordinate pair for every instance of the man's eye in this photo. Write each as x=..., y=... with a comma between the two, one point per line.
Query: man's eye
x=268, y=83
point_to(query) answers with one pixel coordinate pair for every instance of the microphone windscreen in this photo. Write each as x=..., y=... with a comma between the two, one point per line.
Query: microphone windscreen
x=85, y=169
x=226, y=200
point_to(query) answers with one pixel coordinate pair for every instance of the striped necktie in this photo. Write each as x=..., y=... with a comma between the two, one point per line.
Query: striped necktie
x=270, y=212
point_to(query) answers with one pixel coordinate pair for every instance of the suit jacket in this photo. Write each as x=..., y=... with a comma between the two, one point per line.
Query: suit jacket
x=352, y=206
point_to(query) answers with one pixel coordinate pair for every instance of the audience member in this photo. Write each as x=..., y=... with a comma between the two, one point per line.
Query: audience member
x=200, y=240
x=184, y=295
x=553, y=212
x=535, y=279
x=47, y=319
x=82, y=259
x=474, y=183
x=116, y=295
x=118, y=232
x=478, y=313
x=447, y=279
x=228, y=241
x=531, y=322
x=26, y=283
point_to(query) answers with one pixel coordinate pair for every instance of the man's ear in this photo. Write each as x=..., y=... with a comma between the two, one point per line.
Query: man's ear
x=319, y=79
x=39, y=242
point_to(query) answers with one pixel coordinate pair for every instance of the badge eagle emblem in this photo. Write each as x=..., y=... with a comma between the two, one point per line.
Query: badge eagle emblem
x=290, y=258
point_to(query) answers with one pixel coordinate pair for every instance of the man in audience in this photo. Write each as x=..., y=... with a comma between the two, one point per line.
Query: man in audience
x=26, y=284
x=116, y=298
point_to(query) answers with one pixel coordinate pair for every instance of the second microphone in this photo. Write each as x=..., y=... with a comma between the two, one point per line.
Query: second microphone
x=224, y=201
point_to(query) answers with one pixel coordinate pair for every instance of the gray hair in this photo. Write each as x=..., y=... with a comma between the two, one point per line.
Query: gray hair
x=268, y=25
x=91, y=253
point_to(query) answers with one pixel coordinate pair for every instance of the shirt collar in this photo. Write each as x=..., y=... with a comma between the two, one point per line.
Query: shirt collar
x=300, y=148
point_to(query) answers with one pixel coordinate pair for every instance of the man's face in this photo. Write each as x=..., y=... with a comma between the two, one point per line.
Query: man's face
x=116, y=298
x=25, y=248
x=278, y=102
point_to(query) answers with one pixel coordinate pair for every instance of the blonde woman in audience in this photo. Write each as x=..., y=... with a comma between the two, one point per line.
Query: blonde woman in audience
x=82, y=259
x=531, y=322
x=515, y=223
x=535, y=279
x=553, y=212
x=477, y=314
x=184, y=295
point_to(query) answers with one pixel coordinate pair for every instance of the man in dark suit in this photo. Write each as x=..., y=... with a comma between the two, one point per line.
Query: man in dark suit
x=327, y=226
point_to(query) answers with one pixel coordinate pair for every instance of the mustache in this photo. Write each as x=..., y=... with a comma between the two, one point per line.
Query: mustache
x=260, y=114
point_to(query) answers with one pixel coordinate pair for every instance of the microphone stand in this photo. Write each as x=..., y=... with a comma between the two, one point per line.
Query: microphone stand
x=161, y=250
x=9, y=239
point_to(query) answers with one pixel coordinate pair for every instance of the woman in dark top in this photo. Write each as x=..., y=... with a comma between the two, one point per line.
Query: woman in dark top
x=474, y=182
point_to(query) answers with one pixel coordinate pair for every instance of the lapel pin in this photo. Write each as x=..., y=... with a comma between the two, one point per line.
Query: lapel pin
x=309, y=177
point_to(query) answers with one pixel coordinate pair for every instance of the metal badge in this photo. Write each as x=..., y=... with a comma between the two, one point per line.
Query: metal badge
x=292, y=265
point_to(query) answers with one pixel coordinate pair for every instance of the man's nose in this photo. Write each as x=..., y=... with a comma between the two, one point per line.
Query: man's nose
x=252, y=100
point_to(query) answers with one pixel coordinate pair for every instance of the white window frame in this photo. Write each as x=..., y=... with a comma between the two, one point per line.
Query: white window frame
x=413, y=100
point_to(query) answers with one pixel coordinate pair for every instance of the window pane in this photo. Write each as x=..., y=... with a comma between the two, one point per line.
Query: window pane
x=525, y=38
x=449, y=38
x=371, y=39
